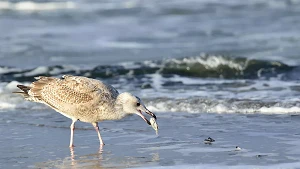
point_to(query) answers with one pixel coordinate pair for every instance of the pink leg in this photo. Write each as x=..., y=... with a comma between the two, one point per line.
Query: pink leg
x=72, y=127
x=98, y=131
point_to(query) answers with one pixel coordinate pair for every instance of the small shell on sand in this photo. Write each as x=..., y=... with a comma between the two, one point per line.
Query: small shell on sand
x=154, y=125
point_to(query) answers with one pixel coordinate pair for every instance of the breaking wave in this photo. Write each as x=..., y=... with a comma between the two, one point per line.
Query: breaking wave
x=201, y=105
x=200, y=84
x=204, y=66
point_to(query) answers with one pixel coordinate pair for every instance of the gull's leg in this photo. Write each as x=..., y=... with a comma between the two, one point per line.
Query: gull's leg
x=72, y=127
x=98, y=131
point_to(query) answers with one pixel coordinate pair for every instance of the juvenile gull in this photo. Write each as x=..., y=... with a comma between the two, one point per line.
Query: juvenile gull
x=84, y=99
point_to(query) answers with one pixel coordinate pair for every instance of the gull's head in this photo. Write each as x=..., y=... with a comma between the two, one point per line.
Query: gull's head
x=133, y=105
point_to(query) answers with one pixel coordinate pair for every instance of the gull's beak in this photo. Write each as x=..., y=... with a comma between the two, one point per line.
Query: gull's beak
x=144, y=109
x=150, y=113
x=143, y=117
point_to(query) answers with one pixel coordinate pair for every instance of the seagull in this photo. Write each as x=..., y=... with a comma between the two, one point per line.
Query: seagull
x=84, y=99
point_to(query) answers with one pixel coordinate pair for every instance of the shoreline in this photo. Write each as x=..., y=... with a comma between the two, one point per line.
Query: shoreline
x=265, y=140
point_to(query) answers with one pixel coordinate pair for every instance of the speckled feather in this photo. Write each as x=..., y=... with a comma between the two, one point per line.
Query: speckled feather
x=76, y=97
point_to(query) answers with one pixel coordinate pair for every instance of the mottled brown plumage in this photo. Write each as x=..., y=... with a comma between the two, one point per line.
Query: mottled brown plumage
x=84, y=99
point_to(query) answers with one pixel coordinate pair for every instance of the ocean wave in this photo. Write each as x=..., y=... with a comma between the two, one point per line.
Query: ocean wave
x=193, y=96
x=204, y=105
x=5, y=69
x=36, y=6
x=225, y=67
x=196, y=105
x=8, y=74
x=8, y=100
x=203, y=66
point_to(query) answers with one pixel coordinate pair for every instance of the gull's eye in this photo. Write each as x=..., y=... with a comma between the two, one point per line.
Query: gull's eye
x=138, y=104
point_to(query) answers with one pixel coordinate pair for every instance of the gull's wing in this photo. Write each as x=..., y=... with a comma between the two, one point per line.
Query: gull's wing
x=71, y=90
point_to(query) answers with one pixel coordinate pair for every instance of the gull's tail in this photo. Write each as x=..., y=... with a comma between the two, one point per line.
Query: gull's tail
x=24, y=91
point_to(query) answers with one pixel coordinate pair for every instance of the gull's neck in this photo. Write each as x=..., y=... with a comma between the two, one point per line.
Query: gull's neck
x=118, y=105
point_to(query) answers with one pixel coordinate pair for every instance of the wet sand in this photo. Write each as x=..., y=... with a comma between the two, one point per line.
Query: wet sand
x=40, y=138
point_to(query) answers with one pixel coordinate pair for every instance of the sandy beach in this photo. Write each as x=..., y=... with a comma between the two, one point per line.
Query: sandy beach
x=39, y=139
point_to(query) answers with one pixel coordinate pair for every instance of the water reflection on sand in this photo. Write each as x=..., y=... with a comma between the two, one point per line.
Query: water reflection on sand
x=100, y=159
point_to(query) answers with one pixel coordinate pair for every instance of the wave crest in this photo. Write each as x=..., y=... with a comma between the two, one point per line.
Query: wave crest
x=203, y=105
x=204, y=66
x=225, y=67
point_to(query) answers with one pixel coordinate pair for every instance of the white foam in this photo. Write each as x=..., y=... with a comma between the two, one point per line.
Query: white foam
x=34, y=6
x=157, y=80
x=202, y=81
x=36, y=71
x=150, y=63
x=218, y=106
x=4, y=105
x=159, y=99
x=228, y=89
x=279, y=110
x=4, y=70
x=129, y=65
x=11, y=87
x=8, y=100
x=210, y=61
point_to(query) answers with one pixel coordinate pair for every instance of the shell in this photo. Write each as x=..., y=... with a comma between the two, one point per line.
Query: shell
x=154, y=124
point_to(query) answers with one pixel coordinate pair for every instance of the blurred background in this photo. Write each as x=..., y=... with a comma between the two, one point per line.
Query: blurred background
x=87, y=33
